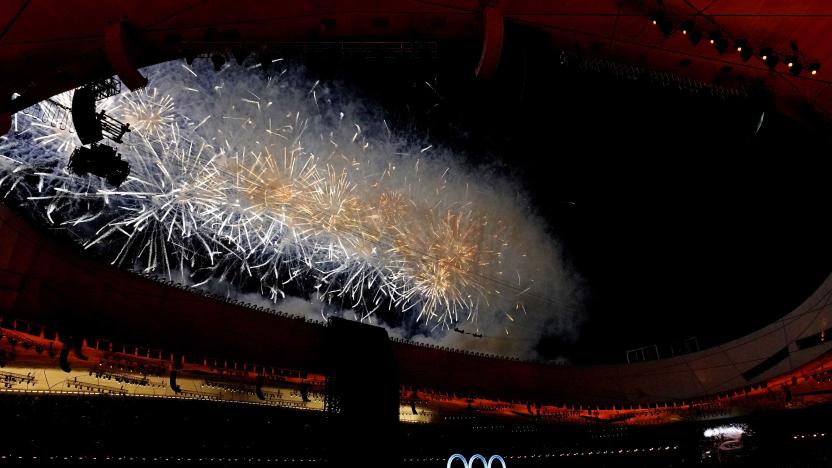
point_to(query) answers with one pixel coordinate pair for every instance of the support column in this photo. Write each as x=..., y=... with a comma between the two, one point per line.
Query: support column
x=117, y=46
x=492, y=41
x=362, y=396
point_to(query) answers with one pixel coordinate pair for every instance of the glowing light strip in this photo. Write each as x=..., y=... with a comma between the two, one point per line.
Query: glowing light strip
x=724, y=430
x=470, y=462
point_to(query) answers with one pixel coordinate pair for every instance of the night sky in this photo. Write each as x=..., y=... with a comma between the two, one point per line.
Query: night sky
x=678, y=218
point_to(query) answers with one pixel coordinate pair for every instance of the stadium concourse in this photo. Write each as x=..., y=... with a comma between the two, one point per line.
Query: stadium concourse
x=106, y=364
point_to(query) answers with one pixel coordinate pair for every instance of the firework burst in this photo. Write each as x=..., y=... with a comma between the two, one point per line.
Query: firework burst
x=255, y=178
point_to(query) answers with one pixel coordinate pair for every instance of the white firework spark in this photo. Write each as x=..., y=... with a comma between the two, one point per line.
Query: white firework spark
x=256, y=179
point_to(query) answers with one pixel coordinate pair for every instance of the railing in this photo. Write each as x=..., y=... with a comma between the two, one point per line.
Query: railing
x=455, y=350
x=713, y=405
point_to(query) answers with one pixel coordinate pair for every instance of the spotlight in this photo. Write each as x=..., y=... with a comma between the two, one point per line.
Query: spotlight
x=741, y=44
x=657, y=17
x=813, y=68
x=218, y=60
x=765, y=53
x=790, y=61
x=687, y=27
x=796, y=68
x=661, y=20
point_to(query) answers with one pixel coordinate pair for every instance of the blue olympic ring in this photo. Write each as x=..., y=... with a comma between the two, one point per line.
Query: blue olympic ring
x=470, y=462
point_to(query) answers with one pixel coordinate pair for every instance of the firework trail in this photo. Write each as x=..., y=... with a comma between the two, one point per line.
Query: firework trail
x=254, y=178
